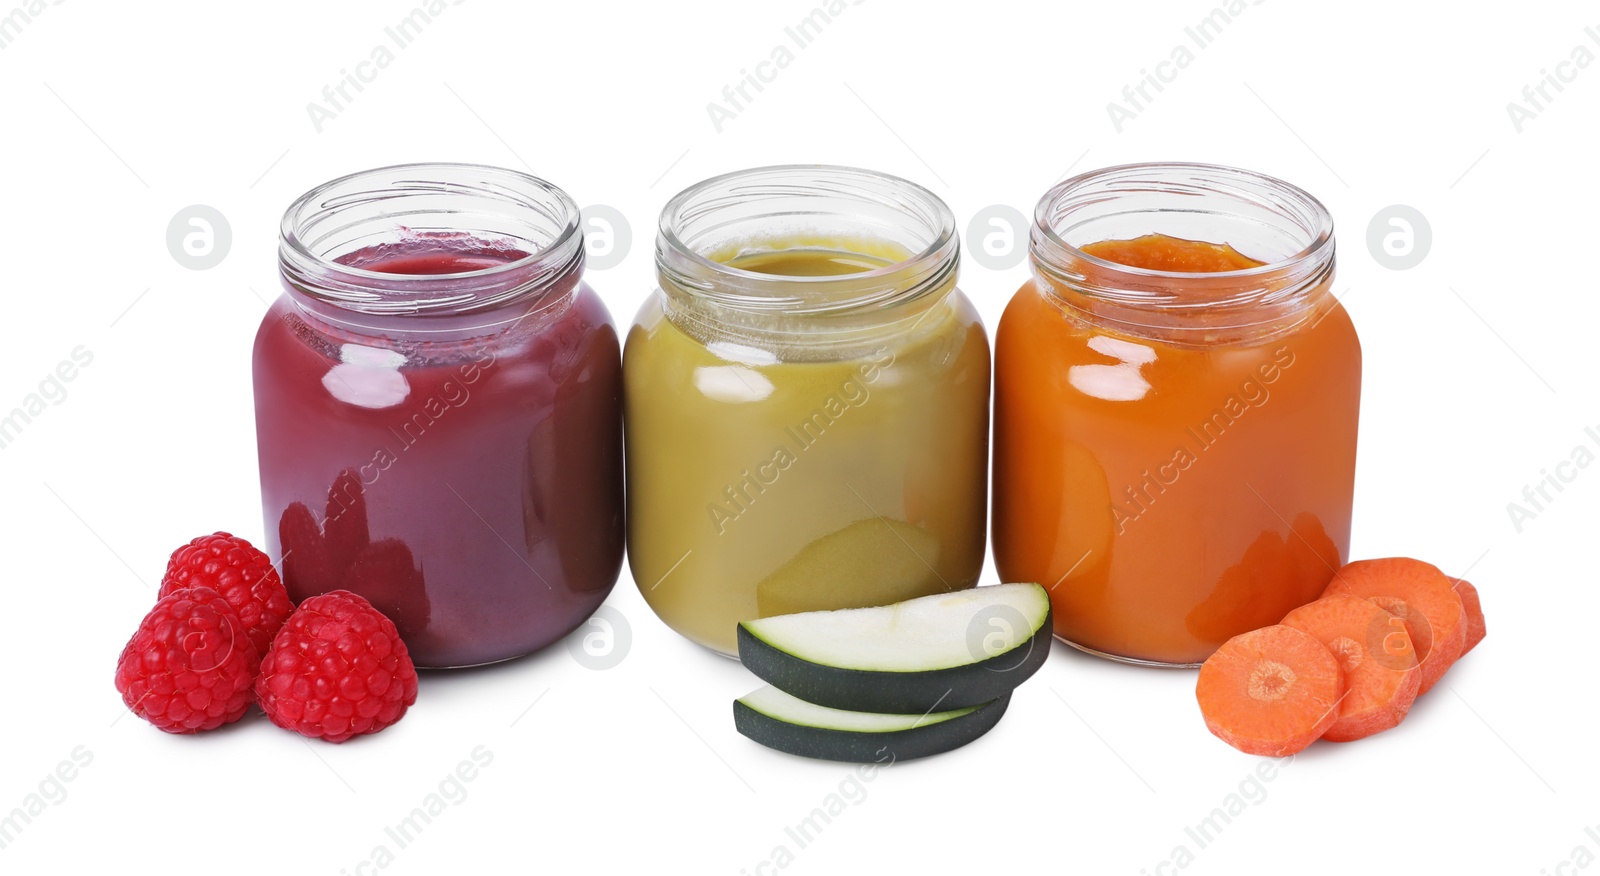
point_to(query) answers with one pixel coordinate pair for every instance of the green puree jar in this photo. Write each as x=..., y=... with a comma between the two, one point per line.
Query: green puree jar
x=807, y=397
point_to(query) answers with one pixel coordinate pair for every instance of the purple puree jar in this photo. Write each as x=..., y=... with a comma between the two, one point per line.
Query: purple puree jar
x=438, y=409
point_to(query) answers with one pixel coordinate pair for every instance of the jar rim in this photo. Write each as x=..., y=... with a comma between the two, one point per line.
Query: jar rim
x=1045, y=235
x=351, y=288
x=916, y=202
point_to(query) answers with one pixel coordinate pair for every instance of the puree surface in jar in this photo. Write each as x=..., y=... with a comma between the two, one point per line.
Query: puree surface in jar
x=1160, y=252
x=1172, y=490
x=795, y=477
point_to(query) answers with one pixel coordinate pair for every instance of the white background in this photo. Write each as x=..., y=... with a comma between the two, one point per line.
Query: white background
x=1479, y=377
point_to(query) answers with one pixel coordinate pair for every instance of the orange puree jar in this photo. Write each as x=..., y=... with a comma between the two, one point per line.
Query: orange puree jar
x=1176, y=394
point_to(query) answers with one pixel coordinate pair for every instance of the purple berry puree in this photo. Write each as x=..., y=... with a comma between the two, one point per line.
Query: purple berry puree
x=470, y=488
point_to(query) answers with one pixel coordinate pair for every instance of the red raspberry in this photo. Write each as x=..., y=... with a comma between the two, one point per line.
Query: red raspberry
x=243, y=575
x=337, y=669
x=190, y=666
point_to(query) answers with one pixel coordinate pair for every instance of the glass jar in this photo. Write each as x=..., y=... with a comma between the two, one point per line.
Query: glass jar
x=1175, y=451
x=438, y=409
x=807, y=402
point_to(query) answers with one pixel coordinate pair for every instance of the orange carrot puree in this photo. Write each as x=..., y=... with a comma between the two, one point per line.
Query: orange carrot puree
x=1171, y=490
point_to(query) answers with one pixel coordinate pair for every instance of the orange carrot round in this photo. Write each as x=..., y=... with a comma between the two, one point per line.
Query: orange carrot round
x=1474, y=609
x=1421, y=596
x=1271, y=692
x=1381, y=673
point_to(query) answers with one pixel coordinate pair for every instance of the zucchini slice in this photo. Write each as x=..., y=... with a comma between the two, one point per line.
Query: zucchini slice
x=783, y=722
x=946, y=651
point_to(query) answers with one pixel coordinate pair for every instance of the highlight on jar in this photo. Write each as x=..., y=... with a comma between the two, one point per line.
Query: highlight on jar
x=1177, y=392
x=438, y=409
x=807, y=402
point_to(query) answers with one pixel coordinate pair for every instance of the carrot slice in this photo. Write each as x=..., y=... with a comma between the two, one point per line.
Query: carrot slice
x=1474, y=609
x=1381, y=674
x=1271, y=691
x=1421, y=596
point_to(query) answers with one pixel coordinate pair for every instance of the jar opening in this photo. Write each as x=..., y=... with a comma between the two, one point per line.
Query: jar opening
x=707, y=229
x=1266, y=219
x=430, y=240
